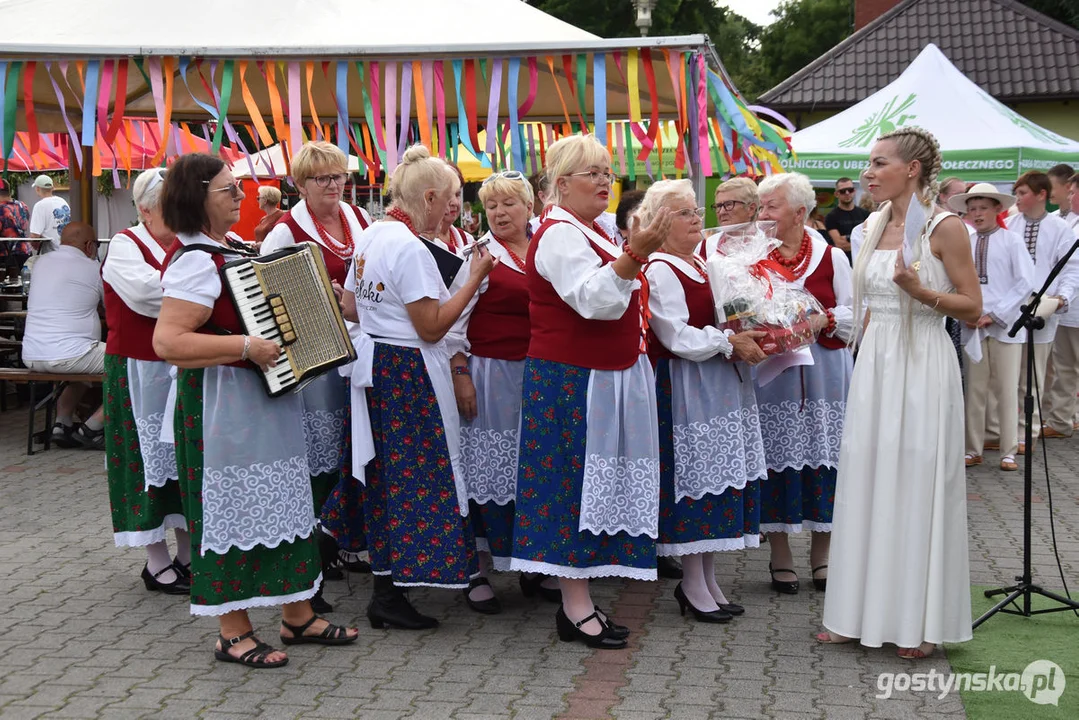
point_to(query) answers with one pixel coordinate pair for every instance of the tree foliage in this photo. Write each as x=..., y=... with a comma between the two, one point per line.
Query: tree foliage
x=1066, y=11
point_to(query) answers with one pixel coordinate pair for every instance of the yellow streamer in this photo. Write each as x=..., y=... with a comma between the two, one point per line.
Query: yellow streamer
x=634, y=86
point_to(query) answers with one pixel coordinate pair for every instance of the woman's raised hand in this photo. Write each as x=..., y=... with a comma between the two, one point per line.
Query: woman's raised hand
x=646, y=240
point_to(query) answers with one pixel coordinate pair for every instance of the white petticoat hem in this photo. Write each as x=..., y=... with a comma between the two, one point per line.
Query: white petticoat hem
x=807, y=525
x=438, y=586
x=597, y=571
x=259, y=601
x=702, y=546
x=259, y=543
x=142, y=538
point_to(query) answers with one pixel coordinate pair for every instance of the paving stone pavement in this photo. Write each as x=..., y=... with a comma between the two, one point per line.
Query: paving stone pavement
x=82, y=638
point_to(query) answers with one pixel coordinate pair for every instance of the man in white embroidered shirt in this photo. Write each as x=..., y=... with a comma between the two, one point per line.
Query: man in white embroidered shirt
x=63, y=328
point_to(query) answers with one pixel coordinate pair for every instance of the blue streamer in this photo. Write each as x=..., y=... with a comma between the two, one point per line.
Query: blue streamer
x=517, y=149
x=89, y=104
x=184, y=64
x=599, y=95
x=342, y=106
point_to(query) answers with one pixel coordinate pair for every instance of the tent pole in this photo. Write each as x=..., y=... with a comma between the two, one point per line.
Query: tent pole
x=87, y=189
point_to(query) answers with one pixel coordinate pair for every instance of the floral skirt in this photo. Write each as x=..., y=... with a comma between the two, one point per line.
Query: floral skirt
x=793, y=500
x=141, y=513
x=493, y=526
x=415, y=531
x=712, y=523
x=546, y=534
x=341, y=513
x=238, y=579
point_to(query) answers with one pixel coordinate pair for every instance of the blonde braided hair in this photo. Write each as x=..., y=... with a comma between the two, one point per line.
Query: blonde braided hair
x=916, y=143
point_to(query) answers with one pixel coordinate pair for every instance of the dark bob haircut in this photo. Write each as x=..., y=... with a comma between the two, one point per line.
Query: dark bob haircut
x=183, y=196
x=630, y=201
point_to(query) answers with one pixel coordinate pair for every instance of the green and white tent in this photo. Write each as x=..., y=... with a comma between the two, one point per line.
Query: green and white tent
x=982, y=139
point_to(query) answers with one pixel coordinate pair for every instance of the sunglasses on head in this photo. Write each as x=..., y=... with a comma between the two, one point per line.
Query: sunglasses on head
x=508, y=174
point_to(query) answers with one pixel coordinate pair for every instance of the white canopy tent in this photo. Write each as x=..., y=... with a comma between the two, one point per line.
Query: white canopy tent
x=981, y=138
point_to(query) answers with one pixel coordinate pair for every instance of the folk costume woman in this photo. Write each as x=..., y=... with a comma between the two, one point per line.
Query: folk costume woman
x=801, y=411
x=711, y=454
x=240, y=454
x=415, y=504
x=899, y=567
x=488, y=384
x=320, y=171
x=587, y=502
x=143, y=491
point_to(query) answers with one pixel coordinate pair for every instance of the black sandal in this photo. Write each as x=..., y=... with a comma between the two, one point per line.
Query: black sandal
x=253, y=658
x=330, y=635
x=820, y=583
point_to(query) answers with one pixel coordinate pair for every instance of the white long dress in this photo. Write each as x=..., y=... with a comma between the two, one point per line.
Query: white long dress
x=899, y=570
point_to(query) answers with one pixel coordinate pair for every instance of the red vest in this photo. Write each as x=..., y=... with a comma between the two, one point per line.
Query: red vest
x=336, y=267
x=819, y=284
x=561, y=335
x=499, y=326
x=131, y=335
x=701, y=310
x=223, y=317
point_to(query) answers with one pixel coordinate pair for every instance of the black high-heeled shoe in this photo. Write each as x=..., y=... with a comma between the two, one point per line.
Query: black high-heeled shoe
x=532, y=583
x=182, y=570
x=389, y=606
x=179, y=586
x=713, y=616
x=787, y=587
x=820, y=583
x=732, y=608
x=490, y=606
x=568, y=631
x=618, y=631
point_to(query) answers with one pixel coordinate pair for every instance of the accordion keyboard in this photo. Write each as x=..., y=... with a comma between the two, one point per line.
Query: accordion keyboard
x=258, y=318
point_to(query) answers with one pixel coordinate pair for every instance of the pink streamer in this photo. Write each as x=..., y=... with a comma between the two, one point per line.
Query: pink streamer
x=295, y=115
x=376, y=106
x=440, y=106
x=391, y=116
x=406, y=106
x=494, y=96
x=702, y=117
x=103, y=90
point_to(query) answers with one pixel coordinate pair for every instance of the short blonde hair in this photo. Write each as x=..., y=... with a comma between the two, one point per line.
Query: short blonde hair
x=569, y=155
x=269, y=194
x=742, y=188
x=499, y=185
x=316, y=156
x=660, y=194
x=418, y=173
x=796, y=186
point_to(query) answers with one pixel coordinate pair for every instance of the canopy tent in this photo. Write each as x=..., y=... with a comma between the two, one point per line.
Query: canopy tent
x=981, y=139
x=270, y=163
x=353, y=72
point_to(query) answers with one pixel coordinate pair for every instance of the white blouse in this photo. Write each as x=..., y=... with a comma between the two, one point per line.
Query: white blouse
x=670, y=313
x=136, y=282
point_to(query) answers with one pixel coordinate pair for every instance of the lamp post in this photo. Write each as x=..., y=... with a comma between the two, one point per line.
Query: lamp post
x=644, y=14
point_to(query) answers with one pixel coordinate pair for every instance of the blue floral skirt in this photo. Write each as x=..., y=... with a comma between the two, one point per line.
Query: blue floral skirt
x=415, y=531
x=550, y=472
x=493, y=525
x=342, y=513
x=793, y=500
x=712, y=523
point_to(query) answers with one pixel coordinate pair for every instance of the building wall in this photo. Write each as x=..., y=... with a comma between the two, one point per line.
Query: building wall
x=1062, y=117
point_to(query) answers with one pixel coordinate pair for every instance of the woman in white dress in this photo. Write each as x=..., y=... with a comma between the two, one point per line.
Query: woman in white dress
x=899, y=566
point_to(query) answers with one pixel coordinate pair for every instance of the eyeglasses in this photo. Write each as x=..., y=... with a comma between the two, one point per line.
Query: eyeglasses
x=595, y=176
x=728, y=205
x=845, y=191
x=234, y=190
x=508, y=174
x=323, y=181
x=689, y=213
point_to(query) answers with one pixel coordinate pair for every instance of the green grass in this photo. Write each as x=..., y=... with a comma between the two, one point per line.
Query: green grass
x=1010, y=643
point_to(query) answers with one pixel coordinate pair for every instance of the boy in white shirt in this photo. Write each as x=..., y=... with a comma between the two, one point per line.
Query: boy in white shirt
x=1006, y=273
x=1060, y=417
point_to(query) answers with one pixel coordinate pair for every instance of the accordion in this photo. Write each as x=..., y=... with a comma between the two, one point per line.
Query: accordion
x=287, y=297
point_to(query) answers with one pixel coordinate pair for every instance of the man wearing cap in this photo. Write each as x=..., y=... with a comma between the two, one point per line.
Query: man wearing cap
x=50, y=216
x=1047, y=238
x=1060, y=414
x=63, y=329
x=14, y=223
x=1006, y=273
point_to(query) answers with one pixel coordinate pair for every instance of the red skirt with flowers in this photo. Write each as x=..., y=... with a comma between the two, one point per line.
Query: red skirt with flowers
x=415, y=532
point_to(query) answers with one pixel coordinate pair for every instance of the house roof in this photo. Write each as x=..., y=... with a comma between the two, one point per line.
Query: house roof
x=1013, y=52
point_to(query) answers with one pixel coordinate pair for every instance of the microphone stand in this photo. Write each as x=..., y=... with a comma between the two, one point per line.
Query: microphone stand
x=1024, y=586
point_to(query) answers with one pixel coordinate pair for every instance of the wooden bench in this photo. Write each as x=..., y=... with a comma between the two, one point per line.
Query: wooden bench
x=57, y=382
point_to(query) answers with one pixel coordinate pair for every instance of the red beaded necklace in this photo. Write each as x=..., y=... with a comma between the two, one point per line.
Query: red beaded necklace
x=342, y=251
x=402, y=217
x=513, y=256
x=798, y=264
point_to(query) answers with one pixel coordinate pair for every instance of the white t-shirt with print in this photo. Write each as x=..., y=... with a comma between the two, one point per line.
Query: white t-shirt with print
x=49, y=218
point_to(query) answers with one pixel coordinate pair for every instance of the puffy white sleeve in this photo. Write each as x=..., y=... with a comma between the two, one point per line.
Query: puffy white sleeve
x=136, y=282
x=857, y=236
x=193, y=278
x=1068, y=280
x=457, y=337
x=841, y=286
x=565, y=258
x=670, y=318
x=278, y=238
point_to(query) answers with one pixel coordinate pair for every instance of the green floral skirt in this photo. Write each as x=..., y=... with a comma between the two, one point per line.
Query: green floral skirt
x=141, y=513
x=238, y=579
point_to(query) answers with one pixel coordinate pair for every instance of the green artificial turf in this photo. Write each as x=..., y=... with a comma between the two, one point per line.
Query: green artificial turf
x=1009, y=644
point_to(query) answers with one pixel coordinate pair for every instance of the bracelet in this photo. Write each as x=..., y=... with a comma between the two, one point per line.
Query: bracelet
x=831, y=322
x=247, y=347
x=634, y=256
x=460, y=370
x=937, y=302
